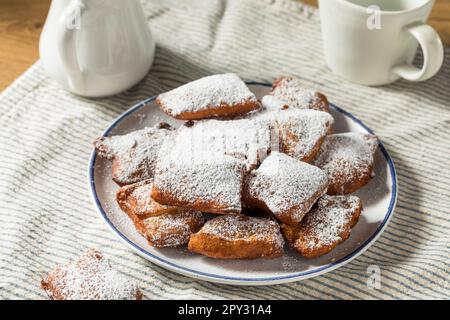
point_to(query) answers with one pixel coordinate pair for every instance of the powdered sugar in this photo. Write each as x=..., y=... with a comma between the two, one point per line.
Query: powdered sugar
x=347, y=156
x=290, y=91
x=89, y=277
x=285, y=184
x=134, y=154
x=136, y=199
x=273, y=103
x=172, y=230
x=141, y=194
x=244, y=228
x=245, y=140
x=220, y=90
x=300, y=131
x=205, y=162
x=197, y=179
x=329, y=220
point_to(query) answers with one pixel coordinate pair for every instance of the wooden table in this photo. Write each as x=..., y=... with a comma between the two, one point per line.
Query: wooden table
x=21, y=23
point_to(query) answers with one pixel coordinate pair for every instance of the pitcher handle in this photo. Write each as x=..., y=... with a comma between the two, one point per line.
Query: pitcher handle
x=68, y=23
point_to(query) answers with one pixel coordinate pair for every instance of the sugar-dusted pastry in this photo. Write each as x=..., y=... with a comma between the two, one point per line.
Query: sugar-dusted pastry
x=221, y=95
x=245, y=140
x=172, y=230
x=89, y=277
x=300, y=132
x=135, y=200
x=328, y=224
x=162, y=226
x=134, y=155
x=196, y=173
x=285, y=186
x=209, y=184
x=238, y=237
x=272, y=103
x=290, y=91
x=347, y=159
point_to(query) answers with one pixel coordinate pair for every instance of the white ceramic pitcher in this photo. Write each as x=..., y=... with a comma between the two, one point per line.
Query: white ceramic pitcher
x=96, y=48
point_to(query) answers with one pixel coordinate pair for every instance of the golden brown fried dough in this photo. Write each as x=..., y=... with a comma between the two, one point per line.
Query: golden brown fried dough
x=221, y=95
x=238, y=237
x=134, y=155
x=213, y=187
x=172, y=230
x=136, y=201
x=194, y=176
x=284, y=186
x=348, y=160
x=161, y=225
x=328, y=224
x=302, y=132
x=296, y=132
x=290, y=91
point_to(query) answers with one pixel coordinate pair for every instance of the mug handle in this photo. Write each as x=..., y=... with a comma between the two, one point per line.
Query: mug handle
x=433, y=54
x=67, y=46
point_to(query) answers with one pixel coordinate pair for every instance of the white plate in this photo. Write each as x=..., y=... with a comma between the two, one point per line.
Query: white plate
x=379, y=198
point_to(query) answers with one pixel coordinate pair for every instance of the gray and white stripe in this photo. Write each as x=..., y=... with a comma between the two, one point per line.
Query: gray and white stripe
x=46, y=215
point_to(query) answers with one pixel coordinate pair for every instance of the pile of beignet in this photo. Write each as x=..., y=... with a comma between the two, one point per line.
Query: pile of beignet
x=241, y=176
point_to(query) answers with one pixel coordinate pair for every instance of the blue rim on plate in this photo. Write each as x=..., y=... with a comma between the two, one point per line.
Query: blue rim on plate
x=303, y=274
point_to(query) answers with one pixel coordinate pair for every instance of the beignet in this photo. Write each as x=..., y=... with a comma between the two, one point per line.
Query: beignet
x=172, y=230
x=290, y=91
x=238, y=237
x=135, y=200
x=347, y=159
x=134, y=155
x=300, y=132
x=328, y=224
x=221, y=95
x=199, y=181
x=284, y=186
x=89, y=277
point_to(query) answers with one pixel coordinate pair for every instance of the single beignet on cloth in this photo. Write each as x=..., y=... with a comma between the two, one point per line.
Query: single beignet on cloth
x=135, y=154
x=289, y=91
x=89, y=277
x=328, y=224
x=347, y=159
x=221, y=95
x=284, y=186
x=238, y=237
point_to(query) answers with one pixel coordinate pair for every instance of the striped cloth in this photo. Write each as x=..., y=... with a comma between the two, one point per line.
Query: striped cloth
x=46, y=215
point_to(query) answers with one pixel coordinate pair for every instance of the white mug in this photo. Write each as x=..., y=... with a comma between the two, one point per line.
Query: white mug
x=374, y=42
x=96, y=48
